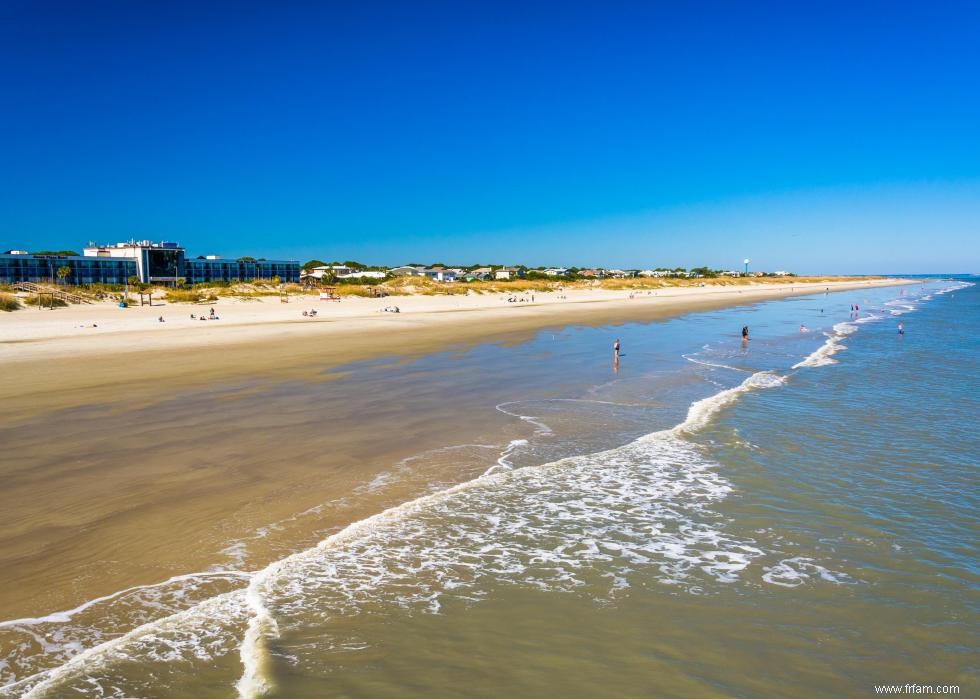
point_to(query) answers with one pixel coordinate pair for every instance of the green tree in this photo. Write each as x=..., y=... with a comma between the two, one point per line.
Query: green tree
x=63, y=273
x=703, y=272
x=310, y=264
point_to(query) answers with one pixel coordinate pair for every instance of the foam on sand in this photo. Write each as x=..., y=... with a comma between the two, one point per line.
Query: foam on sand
x=643, y=504
x=200, y=633
x=584, y=524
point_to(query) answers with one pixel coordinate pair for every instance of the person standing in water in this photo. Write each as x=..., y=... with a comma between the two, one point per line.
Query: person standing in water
x=901, y=330
x=745, y=333
x=616, y=350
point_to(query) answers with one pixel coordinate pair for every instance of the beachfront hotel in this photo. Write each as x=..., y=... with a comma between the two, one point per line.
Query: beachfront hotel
x=154, y=263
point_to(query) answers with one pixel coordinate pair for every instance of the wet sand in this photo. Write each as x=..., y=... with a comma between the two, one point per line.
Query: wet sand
x=53, y=363
x=139, y=454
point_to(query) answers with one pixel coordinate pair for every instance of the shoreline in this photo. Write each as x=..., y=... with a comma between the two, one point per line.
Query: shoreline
x=180, y=508
x=57, y=360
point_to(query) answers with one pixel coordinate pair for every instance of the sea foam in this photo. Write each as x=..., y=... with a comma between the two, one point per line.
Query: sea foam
x=823, y=355
x=584, y=524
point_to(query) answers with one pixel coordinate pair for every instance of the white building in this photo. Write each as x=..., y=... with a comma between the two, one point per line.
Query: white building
x=155, y=262
x=406, y=271
x=440, y=274
x=363, y=274
x=505, y=273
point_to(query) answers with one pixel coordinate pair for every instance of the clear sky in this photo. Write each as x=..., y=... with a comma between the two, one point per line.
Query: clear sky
x=814, y=137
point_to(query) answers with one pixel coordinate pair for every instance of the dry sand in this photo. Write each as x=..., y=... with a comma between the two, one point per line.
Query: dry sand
x=90, y=353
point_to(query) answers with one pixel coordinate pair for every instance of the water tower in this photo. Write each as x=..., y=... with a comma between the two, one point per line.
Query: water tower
x=746, y=261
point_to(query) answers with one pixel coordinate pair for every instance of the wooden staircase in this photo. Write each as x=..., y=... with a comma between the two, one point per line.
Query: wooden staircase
x=65, y=296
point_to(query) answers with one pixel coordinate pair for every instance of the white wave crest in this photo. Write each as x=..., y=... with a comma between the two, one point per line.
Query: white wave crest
x=551, y=526
x=793, y=572
x=823, y=355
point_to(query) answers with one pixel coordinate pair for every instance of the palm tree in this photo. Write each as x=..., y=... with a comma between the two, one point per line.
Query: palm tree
x=63, y=273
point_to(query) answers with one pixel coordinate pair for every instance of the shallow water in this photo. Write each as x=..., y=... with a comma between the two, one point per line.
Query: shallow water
x=791, y=516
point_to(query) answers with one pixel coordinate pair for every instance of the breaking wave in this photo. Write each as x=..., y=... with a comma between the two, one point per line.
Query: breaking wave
x=583, y=523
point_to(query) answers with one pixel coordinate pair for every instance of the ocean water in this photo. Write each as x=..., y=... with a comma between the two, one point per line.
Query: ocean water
x=791, y=516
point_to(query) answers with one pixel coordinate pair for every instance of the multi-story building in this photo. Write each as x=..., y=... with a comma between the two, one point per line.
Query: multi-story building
x=215, y=269
x=19, y=266
x=159, y=263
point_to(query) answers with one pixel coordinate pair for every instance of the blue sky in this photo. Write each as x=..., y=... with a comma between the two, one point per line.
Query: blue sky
x=823, y=137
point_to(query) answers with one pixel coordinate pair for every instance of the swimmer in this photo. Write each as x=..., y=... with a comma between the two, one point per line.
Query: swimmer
x=803, y=328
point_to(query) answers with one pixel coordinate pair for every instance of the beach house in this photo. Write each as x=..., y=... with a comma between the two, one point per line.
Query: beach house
x=363, y=274
x=479, y=274
x=407, y=271
x=440, y=274
x=506, y=273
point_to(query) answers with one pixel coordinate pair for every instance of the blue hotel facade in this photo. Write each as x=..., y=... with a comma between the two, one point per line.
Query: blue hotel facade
x=150, y=262
x=84, y=270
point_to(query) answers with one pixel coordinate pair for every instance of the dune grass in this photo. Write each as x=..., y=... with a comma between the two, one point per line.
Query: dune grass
x=9, y=302
x=189, y=296
x=46, y=301
x=423, y=286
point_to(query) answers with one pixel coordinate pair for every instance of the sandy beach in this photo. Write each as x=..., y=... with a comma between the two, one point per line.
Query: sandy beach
x=87, y=353
x=154, y=469
x=164, y=414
